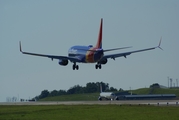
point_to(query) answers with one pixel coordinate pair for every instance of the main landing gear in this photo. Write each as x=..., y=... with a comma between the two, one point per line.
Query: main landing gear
x=75, y=66
x=98, y=66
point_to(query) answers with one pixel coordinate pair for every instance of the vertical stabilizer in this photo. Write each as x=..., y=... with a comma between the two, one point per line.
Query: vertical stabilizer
x=101, y=88
x=99, y=42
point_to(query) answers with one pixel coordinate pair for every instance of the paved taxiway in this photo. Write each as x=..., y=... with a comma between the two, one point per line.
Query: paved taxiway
x=129, y=102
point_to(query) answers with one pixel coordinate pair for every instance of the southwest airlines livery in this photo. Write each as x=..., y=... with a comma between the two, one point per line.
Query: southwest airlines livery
x=89, y=54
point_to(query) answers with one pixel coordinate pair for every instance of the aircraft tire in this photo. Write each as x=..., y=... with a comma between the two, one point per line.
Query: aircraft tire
x=99, y=66
x=73, y=67
x=96, y=66
x=77, y=67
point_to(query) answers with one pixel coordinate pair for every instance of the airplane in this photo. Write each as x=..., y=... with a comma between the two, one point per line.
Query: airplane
x=89, y=54
x=107, y=95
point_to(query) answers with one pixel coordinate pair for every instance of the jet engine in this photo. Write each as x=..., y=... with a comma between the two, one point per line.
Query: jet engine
x=63, y=62
x=104, y=61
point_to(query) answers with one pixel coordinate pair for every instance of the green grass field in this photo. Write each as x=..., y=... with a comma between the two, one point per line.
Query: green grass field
x=89, y=112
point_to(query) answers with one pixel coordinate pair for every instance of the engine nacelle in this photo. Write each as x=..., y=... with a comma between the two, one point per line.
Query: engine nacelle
x=63, y=62
x=104, y=61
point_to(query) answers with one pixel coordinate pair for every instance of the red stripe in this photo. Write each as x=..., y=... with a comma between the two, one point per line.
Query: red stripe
x=98, y=45
x=90, y=56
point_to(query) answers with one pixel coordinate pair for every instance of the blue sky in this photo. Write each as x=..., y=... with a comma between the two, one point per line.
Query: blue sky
x=52, y=27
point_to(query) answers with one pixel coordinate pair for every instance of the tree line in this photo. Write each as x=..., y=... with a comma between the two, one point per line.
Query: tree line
x=90, y=87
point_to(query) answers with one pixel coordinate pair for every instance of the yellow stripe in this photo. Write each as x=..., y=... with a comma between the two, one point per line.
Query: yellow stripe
x=89, y=59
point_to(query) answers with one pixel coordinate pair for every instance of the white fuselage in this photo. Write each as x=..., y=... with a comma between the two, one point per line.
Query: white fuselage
x=107, y=95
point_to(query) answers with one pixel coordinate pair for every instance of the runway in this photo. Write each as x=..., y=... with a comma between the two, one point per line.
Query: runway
x=126, y=102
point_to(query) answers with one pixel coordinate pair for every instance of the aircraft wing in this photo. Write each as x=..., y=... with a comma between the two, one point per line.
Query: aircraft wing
x=50, y=56
x=113, y=56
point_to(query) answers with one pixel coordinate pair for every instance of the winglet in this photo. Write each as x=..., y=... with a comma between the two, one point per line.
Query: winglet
x=160, y=43
x=20, y=46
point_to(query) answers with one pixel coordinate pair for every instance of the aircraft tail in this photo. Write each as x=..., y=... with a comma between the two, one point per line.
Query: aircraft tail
x=101, y=88
x=99, y=42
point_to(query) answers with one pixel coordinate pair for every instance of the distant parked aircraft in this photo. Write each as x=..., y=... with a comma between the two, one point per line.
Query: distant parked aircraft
x=107, y=95
x=88, y=54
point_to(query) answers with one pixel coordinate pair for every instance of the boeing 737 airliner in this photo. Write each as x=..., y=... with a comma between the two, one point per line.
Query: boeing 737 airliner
x=88, y=54
x=106, y=95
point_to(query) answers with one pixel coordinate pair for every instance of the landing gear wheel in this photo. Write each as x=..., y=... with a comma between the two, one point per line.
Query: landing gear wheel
x=75, y=67
x=98, y=66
